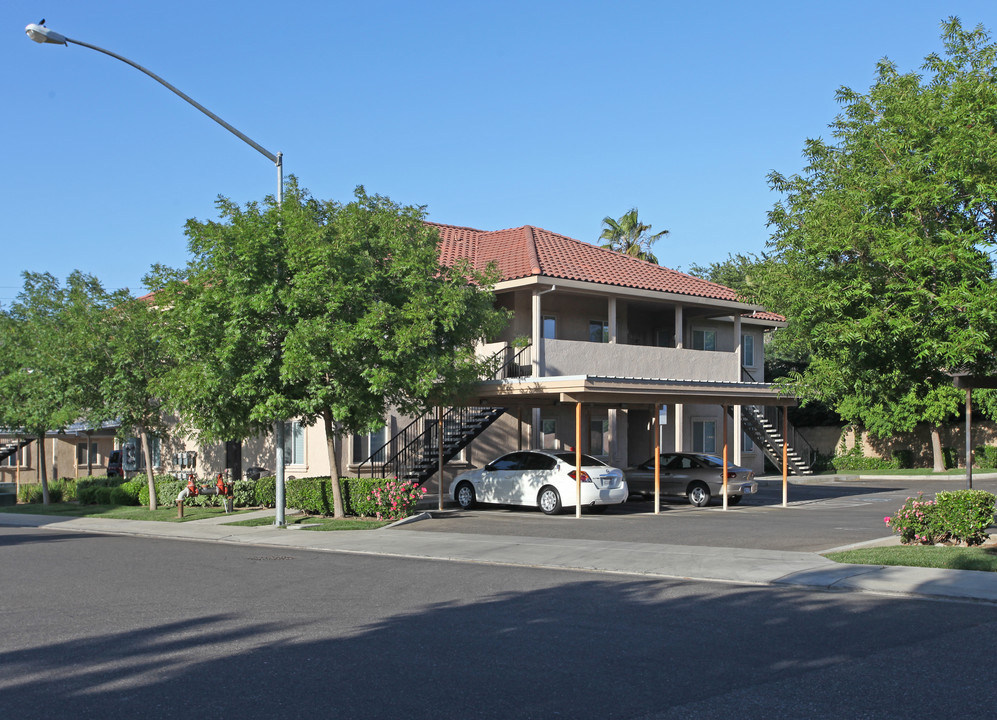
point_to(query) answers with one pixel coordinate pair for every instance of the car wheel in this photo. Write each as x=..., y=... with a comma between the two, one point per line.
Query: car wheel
x=699, y=494
x=598, y=509
x=465, y=495
x=549, y=500
x=734, y=499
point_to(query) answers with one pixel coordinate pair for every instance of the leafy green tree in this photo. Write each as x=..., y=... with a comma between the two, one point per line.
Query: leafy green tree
x=50, y=359
x=883, y=245
x=320, y=310
x=629, y=236
x=136, y=366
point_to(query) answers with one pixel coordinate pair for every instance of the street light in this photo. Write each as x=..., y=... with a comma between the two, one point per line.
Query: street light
x=41, y=34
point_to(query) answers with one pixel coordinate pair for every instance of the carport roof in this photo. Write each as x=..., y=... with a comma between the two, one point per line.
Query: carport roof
x=625, y=391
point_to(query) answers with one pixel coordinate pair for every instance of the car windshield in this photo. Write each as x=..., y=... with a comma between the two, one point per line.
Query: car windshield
x=711, y=461
x=587, y=460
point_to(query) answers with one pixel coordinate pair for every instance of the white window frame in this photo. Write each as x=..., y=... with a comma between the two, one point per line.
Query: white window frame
x=748, y=351
x=82, y=459
x=548, y=440
x=367, y=447
x=704, y=332
x=294, y=441
x=699, y=439
x=747, y=444
x=605, y=330
x=543, y=326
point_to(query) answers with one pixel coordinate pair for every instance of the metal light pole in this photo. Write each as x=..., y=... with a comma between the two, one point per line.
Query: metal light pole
x=41, y=34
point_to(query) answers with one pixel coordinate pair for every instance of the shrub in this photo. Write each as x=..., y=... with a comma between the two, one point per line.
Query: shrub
x=966, y=514
x=904, y=457
x=266, y=492
x=167, y=489
x=917, y=522
x=396, y=499
x=32, y=492
x=986, y=457
x=855, y=461
x=951, y=457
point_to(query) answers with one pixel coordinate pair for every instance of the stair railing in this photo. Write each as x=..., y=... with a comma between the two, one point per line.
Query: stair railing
x=774, y=416
x=402, y=452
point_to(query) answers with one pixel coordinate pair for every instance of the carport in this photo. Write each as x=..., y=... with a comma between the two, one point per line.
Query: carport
x=582, y=391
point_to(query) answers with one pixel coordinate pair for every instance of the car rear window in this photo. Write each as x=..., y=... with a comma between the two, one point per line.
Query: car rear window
x=587, y=460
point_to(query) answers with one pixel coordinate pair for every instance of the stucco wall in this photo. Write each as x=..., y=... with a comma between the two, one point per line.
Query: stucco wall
x=568, y=357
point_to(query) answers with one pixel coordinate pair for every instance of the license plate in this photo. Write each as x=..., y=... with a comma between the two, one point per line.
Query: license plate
x=746, y=489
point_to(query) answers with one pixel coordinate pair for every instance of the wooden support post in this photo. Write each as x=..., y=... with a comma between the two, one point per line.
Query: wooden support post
x=724, y=488
x=785, y=456
x=439, y=436
x=179, y=508
x=578, y=460
x=657, y=459
x=969, y=438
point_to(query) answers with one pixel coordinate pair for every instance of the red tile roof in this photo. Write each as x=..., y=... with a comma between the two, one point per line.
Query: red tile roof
x=527, y=250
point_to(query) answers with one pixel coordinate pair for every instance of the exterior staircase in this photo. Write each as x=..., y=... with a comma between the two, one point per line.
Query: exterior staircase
x=764, y=425
x=413, y=454
x=10, y=447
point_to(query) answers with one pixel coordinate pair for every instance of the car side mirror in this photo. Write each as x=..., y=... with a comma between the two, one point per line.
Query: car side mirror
x=488, y=467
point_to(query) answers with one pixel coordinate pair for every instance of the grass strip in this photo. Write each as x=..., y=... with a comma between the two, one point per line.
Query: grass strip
x=164, y=513
x=317, y=522
x=949, y=558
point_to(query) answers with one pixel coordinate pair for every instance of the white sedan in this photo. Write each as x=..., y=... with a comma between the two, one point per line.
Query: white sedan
x=541, y=478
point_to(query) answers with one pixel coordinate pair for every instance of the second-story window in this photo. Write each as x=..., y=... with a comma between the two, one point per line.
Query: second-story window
x=549, y=327
x=599, y=331
x=704, y=339
x=748, y=351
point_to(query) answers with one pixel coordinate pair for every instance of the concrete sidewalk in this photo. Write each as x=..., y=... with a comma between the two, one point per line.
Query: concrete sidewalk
x=733, y=565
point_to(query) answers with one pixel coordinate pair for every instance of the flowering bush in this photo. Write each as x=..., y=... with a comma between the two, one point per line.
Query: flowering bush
x=396, y=499
x=917, y=522
x=961, y=515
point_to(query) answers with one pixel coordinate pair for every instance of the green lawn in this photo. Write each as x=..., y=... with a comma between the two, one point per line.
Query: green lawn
x=313, y=522
x=165, y=513
x=951, y=558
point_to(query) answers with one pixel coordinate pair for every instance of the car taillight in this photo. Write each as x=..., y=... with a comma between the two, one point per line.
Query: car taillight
x=731, y=474
x=585, y=476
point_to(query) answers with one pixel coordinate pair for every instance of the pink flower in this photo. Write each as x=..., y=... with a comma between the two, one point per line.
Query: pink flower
x=886, y=519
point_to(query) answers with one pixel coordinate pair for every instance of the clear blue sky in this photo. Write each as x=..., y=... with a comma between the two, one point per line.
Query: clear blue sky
x=492, y=114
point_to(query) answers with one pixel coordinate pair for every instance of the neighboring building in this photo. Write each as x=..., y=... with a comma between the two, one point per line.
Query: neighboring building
x=608, y=337
x=67, y=454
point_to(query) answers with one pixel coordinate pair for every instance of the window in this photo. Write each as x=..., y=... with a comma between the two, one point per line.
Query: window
x=599, y=437
x=704, y=339
x=549, y=323
x=704, y=436
x=748, y=351
x=294, y=443
x=548, y=434
x=746, y=443
x=599, y=331
x=82, y=457
x=366, y=445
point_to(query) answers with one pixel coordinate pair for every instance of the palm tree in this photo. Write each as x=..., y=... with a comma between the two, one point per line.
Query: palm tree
x=628, y=235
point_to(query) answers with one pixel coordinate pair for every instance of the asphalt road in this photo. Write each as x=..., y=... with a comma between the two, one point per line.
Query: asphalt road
x=819, y=517
x=105, y=627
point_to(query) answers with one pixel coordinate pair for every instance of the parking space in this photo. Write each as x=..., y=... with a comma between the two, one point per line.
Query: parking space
x=820, y=516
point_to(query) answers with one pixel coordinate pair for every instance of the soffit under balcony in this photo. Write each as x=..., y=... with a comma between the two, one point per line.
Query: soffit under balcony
x=622, y=392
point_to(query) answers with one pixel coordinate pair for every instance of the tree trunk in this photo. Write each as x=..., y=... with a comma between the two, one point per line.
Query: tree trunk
x=936, y=449
x=331, y=437
x=41, y=466
x=89, y=454
x=147, y=454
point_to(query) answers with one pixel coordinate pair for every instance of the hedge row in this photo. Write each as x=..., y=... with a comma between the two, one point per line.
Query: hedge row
x=311, y=495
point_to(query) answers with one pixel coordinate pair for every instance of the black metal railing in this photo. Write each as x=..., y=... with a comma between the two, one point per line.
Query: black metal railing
x=413, y=452
x=773, y=416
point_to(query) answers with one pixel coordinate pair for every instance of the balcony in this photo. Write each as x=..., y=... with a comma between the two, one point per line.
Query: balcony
x=572, y=357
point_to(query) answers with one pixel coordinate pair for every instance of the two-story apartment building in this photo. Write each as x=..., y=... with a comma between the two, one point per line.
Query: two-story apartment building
x=594, y=335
